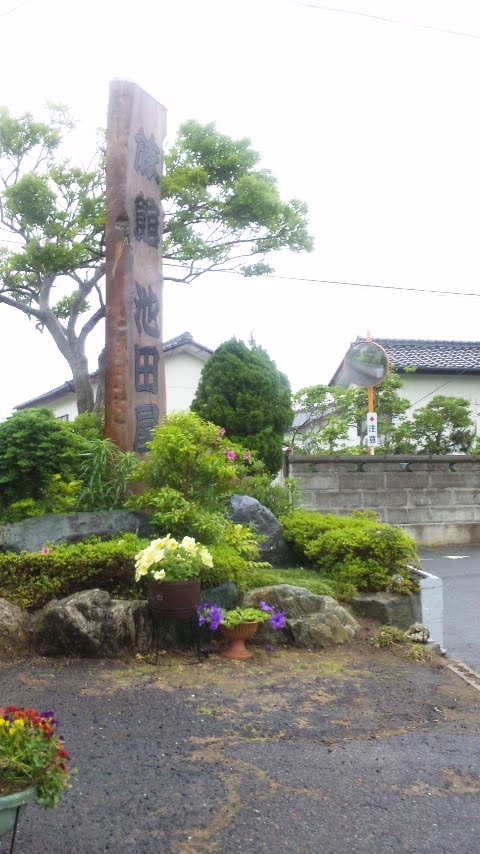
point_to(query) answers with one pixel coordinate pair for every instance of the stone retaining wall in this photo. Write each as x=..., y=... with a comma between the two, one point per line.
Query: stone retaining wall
x=434, y=499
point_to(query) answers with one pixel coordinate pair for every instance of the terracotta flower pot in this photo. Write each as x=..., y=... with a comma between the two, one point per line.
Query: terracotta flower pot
x=237, y=635
x=174, y=600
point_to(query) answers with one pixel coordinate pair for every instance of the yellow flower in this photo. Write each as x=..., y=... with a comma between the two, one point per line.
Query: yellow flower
x=12, y=731
x=206, y=558
x=159, y=574
x=188, y=543
x=19, y=722
x=3, y=722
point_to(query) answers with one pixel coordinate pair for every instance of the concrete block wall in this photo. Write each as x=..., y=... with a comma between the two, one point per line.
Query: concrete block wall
x=434, y=499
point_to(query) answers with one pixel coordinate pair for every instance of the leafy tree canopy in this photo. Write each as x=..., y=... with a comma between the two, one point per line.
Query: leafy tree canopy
x=324, y=416
x=443, y=426
x=35, y=447
x=242, y=389
x=222, y=212
x=221, y=209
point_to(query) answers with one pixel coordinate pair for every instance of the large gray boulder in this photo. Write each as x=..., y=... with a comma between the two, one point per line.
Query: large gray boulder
x=91, y=624
x=313, y=622
x=14, y=626
x=32, y=534
x=384, y=607
x=249, y=512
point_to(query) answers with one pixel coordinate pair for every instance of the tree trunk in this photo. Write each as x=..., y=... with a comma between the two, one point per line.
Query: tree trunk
x=82, y=383
x=100, y=396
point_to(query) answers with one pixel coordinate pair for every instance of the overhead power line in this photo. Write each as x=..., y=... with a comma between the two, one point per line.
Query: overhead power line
x=377, y=287
x=386, y=20
x=13, y=9
x=346, y=283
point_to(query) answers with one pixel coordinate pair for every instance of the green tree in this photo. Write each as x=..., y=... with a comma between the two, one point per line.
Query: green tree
x=222, y=211
x=242, y=389
x=443, y=426
x=34, y=448
x=390, y=407
x=324, y=416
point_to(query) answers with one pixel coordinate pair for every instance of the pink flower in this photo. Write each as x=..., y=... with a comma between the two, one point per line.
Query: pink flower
x=45, y=551
x=221, y=433
x=208, y=452
x=247, y=456
x=230, y=455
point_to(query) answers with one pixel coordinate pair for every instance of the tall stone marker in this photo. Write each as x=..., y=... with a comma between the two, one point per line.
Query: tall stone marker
x=135, y=400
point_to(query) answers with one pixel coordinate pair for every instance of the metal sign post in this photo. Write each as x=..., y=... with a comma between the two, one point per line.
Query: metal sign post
x=366, y=364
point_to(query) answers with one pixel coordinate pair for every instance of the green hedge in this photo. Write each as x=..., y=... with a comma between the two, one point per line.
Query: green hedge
x=354, y=550
x=31, y=579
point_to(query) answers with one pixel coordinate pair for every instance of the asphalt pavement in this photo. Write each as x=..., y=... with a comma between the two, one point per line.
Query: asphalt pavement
x=358, y=749
x=459, y=569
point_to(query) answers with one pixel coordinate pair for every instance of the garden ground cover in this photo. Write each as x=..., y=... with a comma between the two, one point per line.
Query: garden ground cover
x=357, y=749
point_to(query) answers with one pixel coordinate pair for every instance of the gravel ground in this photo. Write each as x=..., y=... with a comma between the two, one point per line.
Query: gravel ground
x=358, y=750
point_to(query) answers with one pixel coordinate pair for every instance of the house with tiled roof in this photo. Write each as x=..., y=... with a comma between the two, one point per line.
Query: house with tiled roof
x=429, y=368
x=184, y=360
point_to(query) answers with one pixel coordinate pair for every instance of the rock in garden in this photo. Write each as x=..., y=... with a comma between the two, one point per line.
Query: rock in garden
x=225, y=595
x=313, y=622
x=385, y=608
x=247, y=511
x=93, y=625
x=32, y=534
x=418, y=632
x=14, y=626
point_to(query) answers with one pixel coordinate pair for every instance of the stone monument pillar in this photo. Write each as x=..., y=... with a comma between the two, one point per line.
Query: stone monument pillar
x=135, y=399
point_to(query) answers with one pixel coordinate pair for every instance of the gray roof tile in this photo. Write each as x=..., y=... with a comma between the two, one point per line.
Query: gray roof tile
x=427, y=356
x=431, y=354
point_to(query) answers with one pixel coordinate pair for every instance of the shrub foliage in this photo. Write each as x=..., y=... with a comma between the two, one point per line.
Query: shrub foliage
x=358, y=550
x=34, y=447
x=242, y=389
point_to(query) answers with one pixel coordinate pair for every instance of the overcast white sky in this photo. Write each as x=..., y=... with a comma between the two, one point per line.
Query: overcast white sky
x=366, y=109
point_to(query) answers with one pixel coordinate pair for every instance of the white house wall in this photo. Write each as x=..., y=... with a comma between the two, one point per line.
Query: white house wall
x=182, y=374
x=421, y=388
x=64, y=407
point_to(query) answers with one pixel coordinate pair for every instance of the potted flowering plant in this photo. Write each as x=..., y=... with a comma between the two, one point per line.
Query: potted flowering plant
x=33, y=762
x=172, y=569
x=239, y=624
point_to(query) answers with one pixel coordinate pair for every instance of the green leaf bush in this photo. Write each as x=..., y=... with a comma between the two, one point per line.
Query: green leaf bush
x=105, y=471
x=354, y=550
x=31, y=579
x=34, y=447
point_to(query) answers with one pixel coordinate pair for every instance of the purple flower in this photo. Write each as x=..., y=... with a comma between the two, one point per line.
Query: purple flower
x=216, y=616
x=264, y=607
x=230, y=455
x=277, y=620
x=211, y=614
